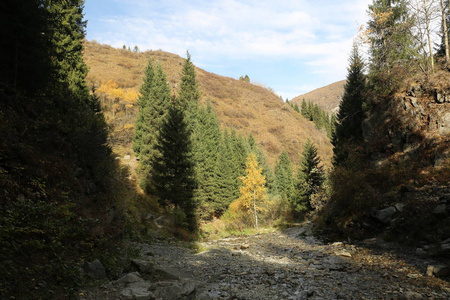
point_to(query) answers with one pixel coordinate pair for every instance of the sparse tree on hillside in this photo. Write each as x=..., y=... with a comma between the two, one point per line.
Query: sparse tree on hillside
x=253, y=190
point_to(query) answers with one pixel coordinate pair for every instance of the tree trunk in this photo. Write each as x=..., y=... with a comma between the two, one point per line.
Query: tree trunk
x=254, y=210
x=444, y=24
x=427, y=24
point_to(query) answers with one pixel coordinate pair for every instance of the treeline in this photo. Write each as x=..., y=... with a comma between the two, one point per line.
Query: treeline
x=313, y=112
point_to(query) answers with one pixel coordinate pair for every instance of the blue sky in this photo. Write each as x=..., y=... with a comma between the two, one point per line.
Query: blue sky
x=291, y=46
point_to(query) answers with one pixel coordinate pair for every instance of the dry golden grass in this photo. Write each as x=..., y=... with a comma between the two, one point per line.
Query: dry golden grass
x=246, y=107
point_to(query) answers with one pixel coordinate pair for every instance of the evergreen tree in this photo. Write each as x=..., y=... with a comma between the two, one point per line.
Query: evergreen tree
x=351, y=114
x=153, y=104
x=304, y=109
x=253, y=190
x=189, y=94
x=391, y=41
x=173, y=180
x=284, y=176
x=296, y=108
x=207, y=140
x=310, y=178
x=66, y=34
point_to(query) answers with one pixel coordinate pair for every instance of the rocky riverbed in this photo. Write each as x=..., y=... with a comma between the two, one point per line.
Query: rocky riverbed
x=287, y=264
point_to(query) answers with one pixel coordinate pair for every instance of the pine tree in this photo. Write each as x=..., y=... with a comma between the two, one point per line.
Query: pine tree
x=284, y=176
x=351, y=114
x=310, y=178
x=253, y=190
x=173, y=180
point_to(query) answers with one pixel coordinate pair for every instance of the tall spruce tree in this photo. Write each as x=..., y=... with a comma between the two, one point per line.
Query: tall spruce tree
x=153, y=104
x=173, y=179
x=351, y=114
x=310, y=178
x=189, y=94
x=67, y=33
x=284, y=176
x=207, y=140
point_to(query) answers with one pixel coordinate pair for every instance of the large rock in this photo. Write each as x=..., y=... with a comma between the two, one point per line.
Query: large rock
x=385, y=215
x=95, y=269
x=147, y=267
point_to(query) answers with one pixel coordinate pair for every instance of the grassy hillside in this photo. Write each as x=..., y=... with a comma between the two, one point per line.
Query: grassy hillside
x=246, y=107
x=327, y=97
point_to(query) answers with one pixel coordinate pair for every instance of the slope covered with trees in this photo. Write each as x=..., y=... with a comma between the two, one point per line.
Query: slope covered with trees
x=238, y=104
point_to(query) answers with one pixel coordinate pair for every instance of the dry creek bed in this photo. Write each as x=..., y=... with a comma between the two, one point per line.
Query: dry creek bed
x=287, y=264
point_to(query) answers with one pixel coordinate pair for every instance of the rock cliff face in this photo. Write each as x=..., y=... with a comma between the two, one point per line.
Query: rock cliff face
x=413, y=124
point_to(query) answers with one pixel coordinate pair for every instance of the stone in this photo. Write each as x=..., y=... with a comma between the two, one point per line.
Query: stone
x=438, y=270
x=245, y=246
x=137, y=293
x=177, y=290
x=444, y=128
x=420, y=251
x=343, y=253
x=385, y=215
x=409, y=295
x=127, y=157
x=439, y=96
x=143, y=266
x=338, y=244
x=400, y=206
x=440, y=209
x=130, y=278
x=95, y=269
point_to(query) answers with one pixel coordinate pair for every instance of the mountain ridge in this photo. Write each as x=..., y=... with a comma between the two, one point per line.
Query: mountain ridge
x=327, y=97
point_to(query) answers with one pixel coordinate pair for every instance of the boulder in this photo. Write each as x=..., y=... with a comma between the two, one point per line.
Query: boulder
x=95, y=269
x=409, y=295
x=385, y=215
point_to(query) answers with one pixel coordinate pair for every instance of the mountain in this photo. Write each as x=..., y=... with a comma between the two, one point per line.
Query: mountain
x=328, y=97
x=241, y=105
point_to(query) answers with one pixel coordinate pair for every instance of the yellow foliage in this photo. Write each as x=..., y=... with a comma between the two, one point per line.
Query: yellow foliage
x=253, y=190
x=111, y=90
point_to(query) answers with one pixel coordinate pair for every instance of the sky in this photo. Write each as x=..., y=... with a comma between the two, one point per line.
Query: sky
x=291, y=46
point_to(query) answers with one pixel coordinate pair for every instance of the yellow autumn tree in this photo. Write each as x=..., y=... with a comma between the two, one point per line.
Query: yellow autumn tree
x=253, y=190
